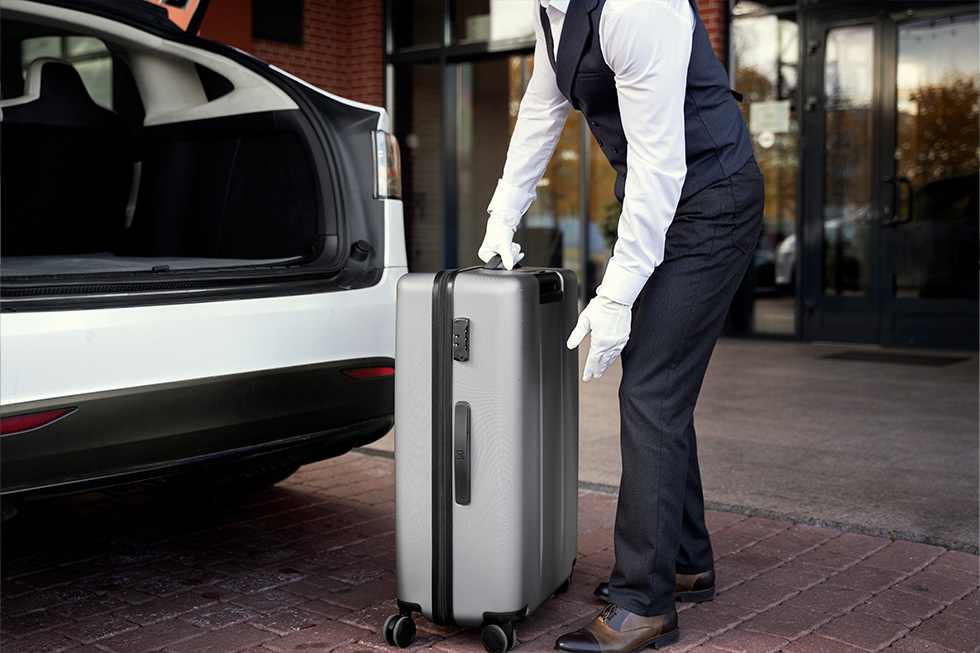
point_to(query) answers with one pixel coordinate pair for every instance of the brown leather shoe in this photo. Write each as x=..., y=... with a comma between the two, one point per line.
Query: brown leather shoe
x=617, y=630
x=691, y=588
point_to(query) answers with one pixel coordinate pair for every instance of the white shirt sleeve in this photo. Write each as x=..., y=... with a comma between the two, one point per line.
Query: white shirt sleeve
x=540, y=120
x=647, y=44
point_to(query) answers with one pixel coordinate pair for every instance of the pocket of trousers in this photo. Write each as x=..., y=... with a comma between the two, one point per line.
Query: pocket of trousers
x=748, y=195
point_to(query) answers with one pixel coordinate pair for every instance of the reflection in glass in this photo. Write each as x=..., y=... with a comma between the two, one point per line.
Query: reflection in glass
x=415, y=23
x=417, y=102
x=551, y=229
x=492, y=20
x=604, y=211
x=487, y=105
x=848, y=83
x=481, y=146
x=766, y=64
x=933, y=250
x=743, y=7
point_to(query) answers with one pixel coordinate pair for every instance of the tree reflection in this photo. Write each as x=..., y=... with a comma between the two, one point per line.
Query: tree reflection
x=938, y=135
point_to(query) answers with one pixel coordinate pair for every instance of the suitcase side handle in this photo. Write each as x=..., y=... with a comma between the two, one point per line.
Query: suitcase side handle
x=551, y=286
x=461, y=452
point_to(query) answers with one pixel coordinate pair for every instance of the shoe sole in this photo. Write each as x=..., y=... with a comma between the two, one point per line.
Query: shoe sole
x=700, y=596
x=666, y=639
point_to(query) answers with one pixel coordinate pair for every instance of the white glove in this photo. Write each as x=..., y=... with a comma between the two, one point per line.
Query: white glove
x=499, y=239
x=609, y=323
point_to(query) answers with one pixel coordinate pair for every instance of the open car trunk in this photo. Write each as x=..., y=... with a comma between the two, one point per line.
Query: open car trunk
x=130, y=169
x=208, y=194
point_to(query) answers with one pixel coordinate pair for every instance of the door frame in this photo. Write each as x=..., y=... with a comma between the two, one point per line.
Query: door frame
x=865, y=319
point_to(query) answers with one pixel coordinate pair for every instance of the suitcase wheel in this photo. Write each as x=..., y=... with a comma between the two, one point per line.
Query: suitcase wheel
x=399, y=631
x=499, y=639
x=564, y=586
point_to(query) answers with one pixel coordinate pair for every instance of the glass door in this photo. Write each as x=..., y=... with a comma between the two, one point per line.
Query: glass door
x=892, y=212
x=931, y=232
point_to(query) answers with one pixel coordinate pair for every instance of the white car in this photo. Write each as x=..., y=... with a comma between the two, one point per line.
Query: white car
x=199, y=255
x=786, y=263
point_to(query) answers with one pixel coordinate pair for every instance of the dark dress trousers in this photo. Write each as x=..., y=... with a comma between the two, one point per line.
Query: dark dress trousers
x=660, y=529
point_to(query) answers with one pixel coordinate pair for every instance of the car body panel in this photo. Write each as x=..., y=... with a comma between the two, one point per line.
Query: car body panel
x=75, y=352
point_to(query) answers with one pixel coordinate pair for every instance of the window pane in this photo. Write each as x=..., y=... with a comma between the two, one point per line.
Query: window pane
x=97, y=75
x=79, y=46
x=933, y=249
x=279, y=21
x=492, y=20
x=42, y=46
x=604, y=211
x=489, y=98
x=743, y=7
x=417, y=102
x=88, y=55
x=848, y=80
x=483, y=133
x=415, y=23
x=766, y=63
x=551, y=232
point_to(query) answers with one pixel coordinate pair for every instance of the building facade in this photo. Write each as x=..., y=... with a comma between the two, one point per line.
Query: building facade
x=863, y=114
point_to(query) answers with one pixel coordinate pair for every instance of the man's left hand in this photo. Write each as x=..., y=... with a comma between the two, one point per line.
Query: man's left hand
x=609, y=323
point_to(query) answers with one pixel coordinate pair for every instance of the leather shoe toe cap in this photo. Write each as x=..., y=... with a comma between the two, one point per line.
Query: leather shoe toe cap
x=579, y=641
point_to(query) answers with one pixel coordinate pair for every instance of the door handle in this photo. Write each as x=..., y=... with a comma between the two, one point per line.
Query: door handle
x=895, y=217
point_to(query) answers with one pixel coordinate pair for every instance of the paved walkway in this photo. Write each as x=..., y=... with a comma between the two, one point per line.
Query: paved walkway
x=862, y=439
x=309, y=566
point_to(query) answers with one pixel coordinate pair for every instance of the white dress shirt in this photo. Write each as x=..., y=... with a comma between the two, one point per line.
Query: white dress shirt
x=647, y=44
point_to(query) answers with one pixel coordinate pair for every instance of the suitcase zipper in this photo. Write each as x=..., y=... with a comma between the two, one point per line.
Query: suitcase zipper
x=442, y=447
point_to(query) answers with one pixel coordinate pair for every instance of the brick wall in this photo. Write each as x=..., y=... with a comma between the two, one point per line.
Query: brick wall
x=343, y=42
x=713, y=15
x=342, y=51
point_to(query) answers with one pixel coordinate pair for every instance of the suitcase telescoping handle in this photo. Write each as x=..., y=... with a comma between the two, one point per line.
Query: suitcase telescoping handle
x=496, y=263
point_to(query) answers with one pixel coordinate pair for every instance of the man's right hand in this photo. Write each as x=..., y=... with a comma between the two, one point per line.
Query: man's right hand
x=499, y=238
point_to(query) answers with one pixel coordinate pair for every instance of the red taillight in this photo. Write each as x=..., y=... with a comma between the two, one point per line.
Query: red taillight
x=22, y=423
x=362, y=373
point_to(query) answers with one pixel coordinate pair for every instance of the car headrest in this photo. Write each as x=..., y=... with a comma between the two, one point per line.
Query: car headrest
x=54, y=94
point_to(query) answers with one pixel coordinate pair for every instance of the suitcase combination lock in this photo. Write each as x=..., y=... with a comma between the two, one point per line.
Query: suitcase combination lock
x=461, y=339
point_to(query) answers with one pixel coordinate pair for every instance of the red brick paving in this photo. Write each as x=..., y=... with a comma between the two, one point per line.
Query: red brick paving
x=309, y=566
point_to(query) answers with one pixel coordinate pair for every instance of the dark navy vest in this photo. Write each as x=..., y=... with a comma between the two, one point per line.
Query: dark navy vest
x=716, y=137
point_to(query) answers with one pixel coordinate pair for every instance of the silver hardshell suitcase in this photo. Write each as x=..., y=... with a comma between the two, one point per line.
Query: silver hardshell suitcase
x=486, y=448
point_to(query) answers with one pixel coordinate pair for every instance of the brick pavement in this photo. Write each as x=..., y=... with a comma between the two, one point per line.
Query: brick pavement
x=309, y=566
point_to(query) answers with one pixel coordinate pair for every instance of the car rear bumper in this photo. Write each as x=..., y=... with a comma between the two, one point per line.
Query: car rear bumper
x=314, y=411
